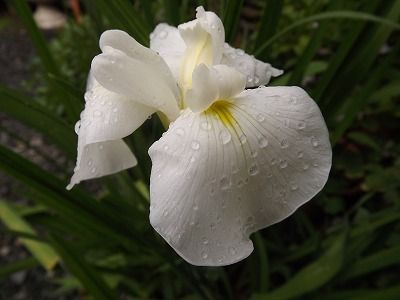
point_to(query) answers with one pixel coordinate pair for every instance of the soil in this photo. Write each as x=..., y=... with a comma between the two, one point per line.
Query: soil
x=16, y=53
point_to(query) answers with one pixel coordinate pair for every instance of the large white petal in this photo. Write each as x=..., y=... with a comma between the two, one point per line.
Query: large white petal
x=107, y=118
x=222, y=174
x=167, y=42
x=257, y=72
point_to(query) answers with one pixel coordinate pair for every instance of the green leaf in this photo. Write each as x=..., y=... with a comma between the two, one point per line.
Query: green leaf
x=384, y=258
x=76, y=264
x=23, y=109
x=230, y=12
x=20, y=265
x=343, y=14
x=312, y=276
x=42, y=252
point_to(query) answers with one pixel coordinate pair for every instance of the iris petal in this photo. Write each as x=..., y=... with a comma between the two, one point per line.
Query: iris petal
x=237, y=167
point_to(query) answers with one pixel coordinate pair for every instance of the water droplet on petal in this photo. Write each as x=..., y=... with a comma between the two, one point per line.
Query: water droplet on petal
x=93, y=170
x=165, y=147
x=225, y=136
x=163, y=34
x=195, y=145
x=205, y=125
x=306, y=167
x=256, y=80
x=224, y=183
x=239, y=52
x=294, y=187
x=284, y=144
x=180, y=131
x=97, y=113
x=253, y=170
x=165, y=213
x=260, y=118
x=301, y=125
x=115, y=109
x=204, y=255
x=232, y=251
x=262, y=142
x=249, y=79
x=101, y=147
x=314, y=141
x=77, y=127
x=90, y=162
x=195, y=207
x=242, y=139
x=204, y=241
x=300, y=154
x=283, y=164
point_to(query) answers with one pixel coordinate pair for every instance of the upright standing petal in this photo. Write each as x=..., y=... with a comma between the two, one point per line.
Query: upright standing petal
x=239, y=166
x=257, y=72
x=168, y=43
x=204, y=39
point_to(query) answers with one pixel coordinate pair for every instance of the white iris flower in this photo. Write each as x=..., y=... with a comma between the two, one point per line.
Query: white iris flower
x=233, y=160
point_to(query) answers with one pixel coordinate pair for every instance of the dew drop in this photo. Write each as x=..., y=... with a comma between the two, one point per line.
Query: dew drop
x=165, y=147
x=306, y=167
x=314, y=141
x=77, y=127
x=213, y=26
x=253, y=170
x=256, y=80
x=205, y=125
x=90, y=162
x=242, y=139
x=301, y=125
x=232, y=251
x=97, y=113
x=163, y=34
x=224, y=183
x=254, y=154
x=195, y=145
x=300, y=154
x=249, y=79
x=93, y=170
x=115, y=109
x=204, y=255
x=101, y=147
x=165, y=213
x=195, y=207
x=239, y=52
x=262, y=142
x=180, y=131
x=225, y=137
x=315, y=164
x=283, y=164
x=204, y=241
x=273, y=161
x=284, y=144
x=260, y=117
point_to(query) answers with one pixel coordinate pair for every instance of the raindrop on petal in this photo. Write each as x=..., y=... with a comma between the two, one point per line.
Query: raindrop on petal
x=225, y=136
x=195, y=145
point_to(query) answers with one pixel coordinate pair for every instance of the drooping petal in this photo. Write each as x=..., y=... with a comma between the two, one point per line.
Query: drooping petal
x=107, y=118
x=168, y=43
x=136, y=72
x=204, y=39
x=220, y=175
x=218, y=82
x=257, y=72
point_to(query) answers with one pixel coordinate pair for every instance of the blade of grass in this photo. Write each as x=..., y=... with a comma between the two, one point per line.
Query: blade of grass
x=268, y=24
x=312, y=276
x=336, y=62
x=20, y=265
x=42, y=252
x=76, y=264
x=343, y=14
x=230, y=12
x=16, y=106
x=22, y=9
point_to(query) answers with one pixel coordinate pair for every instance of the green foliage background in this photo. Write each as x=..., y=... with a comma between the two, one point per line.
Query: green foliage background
x=344, y=244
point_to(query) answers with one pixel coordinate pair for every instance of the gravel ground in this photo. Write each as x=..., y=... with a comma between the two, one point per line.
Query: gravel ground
x=16, y=51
